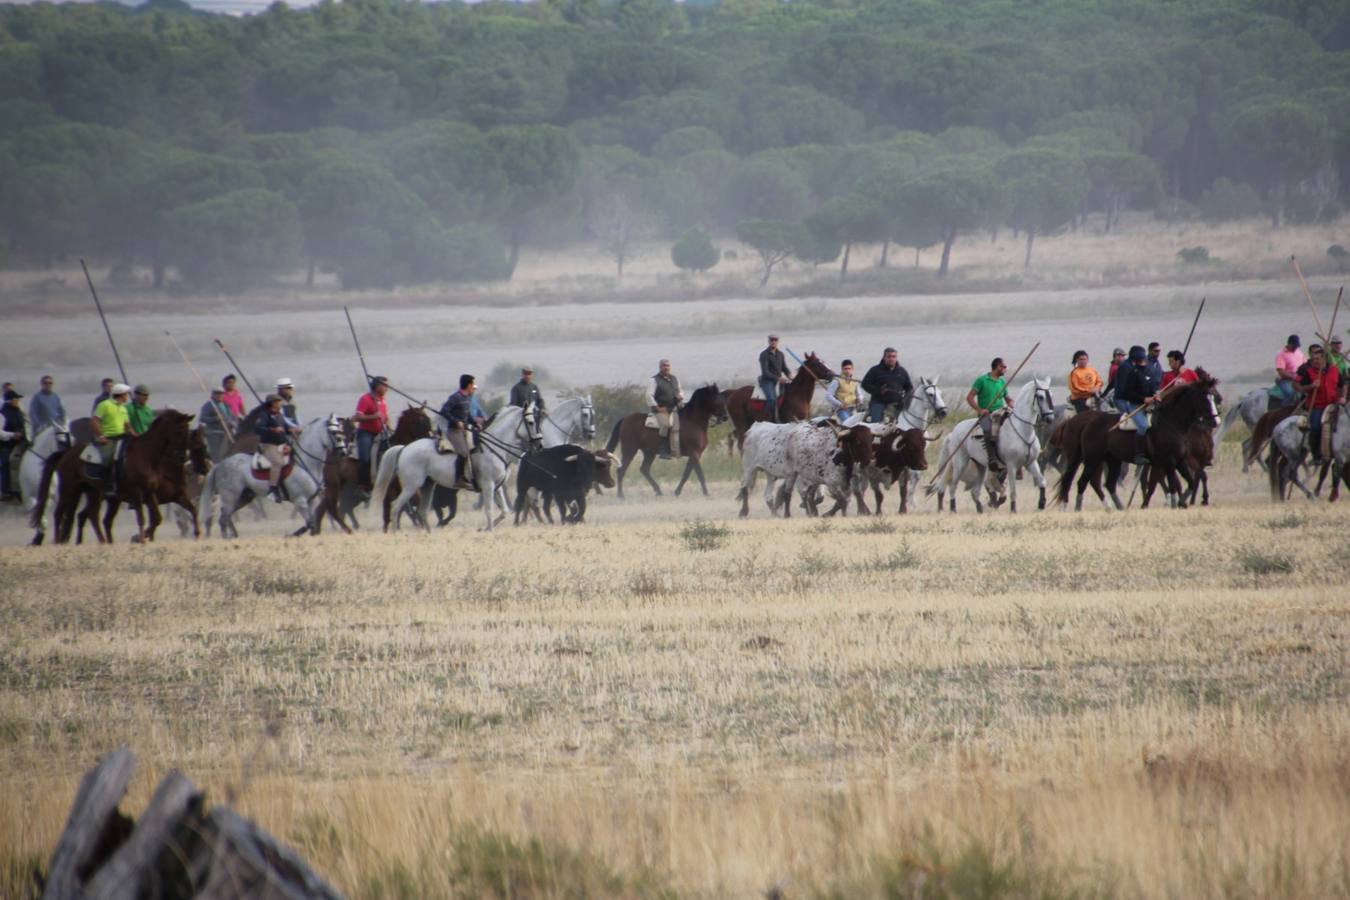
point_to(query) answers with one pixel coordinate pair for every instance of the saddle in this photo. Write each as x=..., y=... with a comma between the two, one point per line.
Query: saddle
x=757, y=403
x=1127, y=423
x=261, y=467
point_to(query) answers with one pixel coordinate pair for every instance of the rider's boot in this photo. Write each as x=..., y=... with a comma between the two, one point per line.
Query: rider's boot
x=663, y=449
x=992, y=454
x=464, y=476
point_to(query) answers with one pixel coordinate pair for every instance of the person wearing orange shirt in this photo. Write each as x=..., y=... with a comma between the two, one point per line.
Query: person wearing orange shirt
x=1084, y=382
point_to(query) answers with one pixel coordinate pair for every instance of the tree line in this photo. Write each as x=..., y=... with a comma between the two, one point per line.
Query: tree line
x=394, y=142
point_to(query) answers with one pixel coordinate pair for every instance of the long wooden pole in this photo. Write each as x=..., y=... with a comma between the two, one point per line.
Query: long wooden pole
x=1187, y=348
x=229, y=432
x=1311, y=305
x=1000, y=395
x=99, y=306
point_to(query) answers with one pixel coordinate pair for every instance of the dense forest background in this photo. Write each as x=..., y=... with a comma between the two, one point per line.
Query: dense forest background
x=395, y=142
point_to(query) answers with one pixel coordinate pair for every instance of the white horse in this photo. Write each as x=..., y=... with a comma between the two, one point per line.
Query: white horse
x=54, y=439
x=1250, y=408
x=1289, y=450
x=504, y=441
x=968, y=462
x=925, y=407
x=233, y=482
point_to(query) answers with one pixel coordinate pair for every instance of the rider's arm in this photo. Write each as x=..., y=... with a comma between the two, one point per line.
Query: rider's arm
x=971, y=401
x=651, y=395
x=830, y=390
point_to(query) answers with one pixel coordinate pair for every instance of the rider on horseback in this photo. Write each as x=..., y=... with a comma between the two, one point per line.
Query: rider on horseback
x=139, y=413
x=887, y=384
x=372, y=421
x=12, y=433
x=458, y=411
x=526, y=394
x=1320, y=382
x=663, y=399
x=286, y=391
x=842, y=393
x=272, y=431
x=110, y=424
x=987, y=397
x=772, y=372
x=1287, y=363
x=1084, y=382
x=1135, y=391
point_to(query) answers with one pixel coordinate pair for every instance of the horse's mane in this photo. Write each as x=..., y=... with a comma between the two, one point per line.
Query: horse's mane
x=702, y=395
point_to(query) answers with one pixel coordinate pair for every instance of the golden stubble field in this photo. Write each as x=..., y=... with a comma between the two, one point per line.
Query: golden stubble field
x=1149, y=704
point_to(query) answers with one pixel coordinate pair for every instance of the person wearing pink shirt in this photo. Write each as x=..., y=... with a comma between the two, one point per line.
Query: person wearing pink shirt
x=233, y=400
x=1287, y=363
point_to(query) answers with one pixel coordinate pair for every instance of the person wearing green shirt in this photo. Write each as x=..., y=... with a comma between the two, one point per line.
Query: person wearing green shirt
x=987, y=397
x=139, y=413
x=1338, y=358
x=110, y=426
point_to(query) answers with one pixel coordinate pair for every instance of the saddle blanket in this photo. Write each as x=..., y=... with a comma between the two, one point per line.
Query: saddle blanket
x=262, y=468
x=1127, y=424
x=758, y=394
x=650, y=422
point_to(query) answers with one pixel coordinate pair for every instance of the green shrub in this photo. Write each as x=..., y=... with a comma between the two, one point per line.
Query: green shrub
x=1226, y=200
x=1262, y=562
x=1194, y=255
x=703, y=535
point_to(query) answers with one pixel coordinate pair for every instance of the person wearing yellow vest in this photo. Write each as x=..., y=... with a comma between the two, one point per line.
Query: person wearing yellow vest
x=843, y=393
x=110, y=424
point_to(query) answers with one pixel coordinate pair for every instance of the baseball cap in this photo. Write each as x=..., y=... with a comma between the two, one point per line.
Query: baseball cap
x=285, y=382
x=141, y=389
x=120, y=388
x=1294, y=341
x=13, y=395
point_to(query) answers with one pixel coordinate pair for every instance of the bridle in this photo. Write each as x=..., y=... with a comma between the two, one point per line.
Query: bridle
x=64, y=441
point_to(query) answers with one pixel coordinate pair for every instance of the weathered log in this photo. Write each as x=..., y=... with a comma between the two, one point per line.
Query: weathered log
x=94, y=828
x=151, y=862
x=177, y=851
x=248, y=862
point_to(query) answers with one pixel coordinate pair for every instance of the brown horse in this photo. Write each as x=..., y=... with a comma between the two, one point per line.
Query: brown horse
x=705, y=405
x=153, y=473
x=1092, y=440
x=794, y=402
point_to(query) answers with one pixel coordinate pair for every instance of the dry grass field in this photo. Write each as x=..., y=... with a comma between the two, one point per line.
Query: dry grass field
x=1140, y=705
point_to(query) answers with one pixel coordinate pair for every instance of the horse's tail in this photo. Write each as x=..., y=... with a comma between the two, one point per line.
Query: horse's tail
x=44, y=489
x=614, y=436
x=206, y=498
x=385, y=475
x=1229, y=418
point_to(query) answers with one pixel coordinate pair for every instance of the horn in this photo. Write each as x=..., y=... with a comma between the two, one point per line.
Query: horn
x=572, y=458
x=934, y=437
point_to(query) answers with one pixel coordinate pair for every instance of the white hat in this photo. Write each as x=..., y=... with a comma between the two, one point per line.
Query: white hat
x=120, y=388
x=285, y=382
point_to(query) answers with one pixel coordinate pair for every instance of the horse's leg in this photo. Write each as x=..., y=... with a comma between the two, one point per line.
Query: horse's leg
x=697, y=463
x=688, y=469
x=1246, y=451
x=156, y=518
x=646, y=469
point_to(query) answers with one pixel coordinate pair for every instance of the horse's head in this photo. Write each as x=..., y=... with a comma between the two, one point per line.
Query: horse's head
x=1045, y=401
x=709, y=401
x=587, y=418
x=928, y=390
x=1192, y=402
x=336, y=427
x=816, y=367
x=1213, y=399
x=413, y=424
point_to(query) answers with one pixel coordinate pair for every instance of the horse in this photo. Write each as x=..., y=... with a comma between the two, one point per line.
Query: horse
x=1199, y=457
x=706, y=405
x=925, y=407
x=967, y=461
x=1093, y=441
x=153, y=473
x=1253, y=406
x=1340, y=454
x=503, y=441
x=236, y=482
x=50, y=441
x=794, y=402
x=321, y=449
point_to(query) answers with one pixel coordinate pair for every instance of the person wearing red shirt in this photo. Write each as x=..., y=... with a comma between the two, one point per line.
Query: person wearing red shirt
x=1176, y=368
x=372, y=419
x=1321, y=384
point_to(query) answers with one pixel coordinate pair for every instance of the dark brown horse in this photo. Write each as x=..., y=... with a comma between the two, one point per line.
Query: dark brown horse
x=1092, y=440
x=794, y=402
x=1199, y=457
x=153, y=473
x=705, y=405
